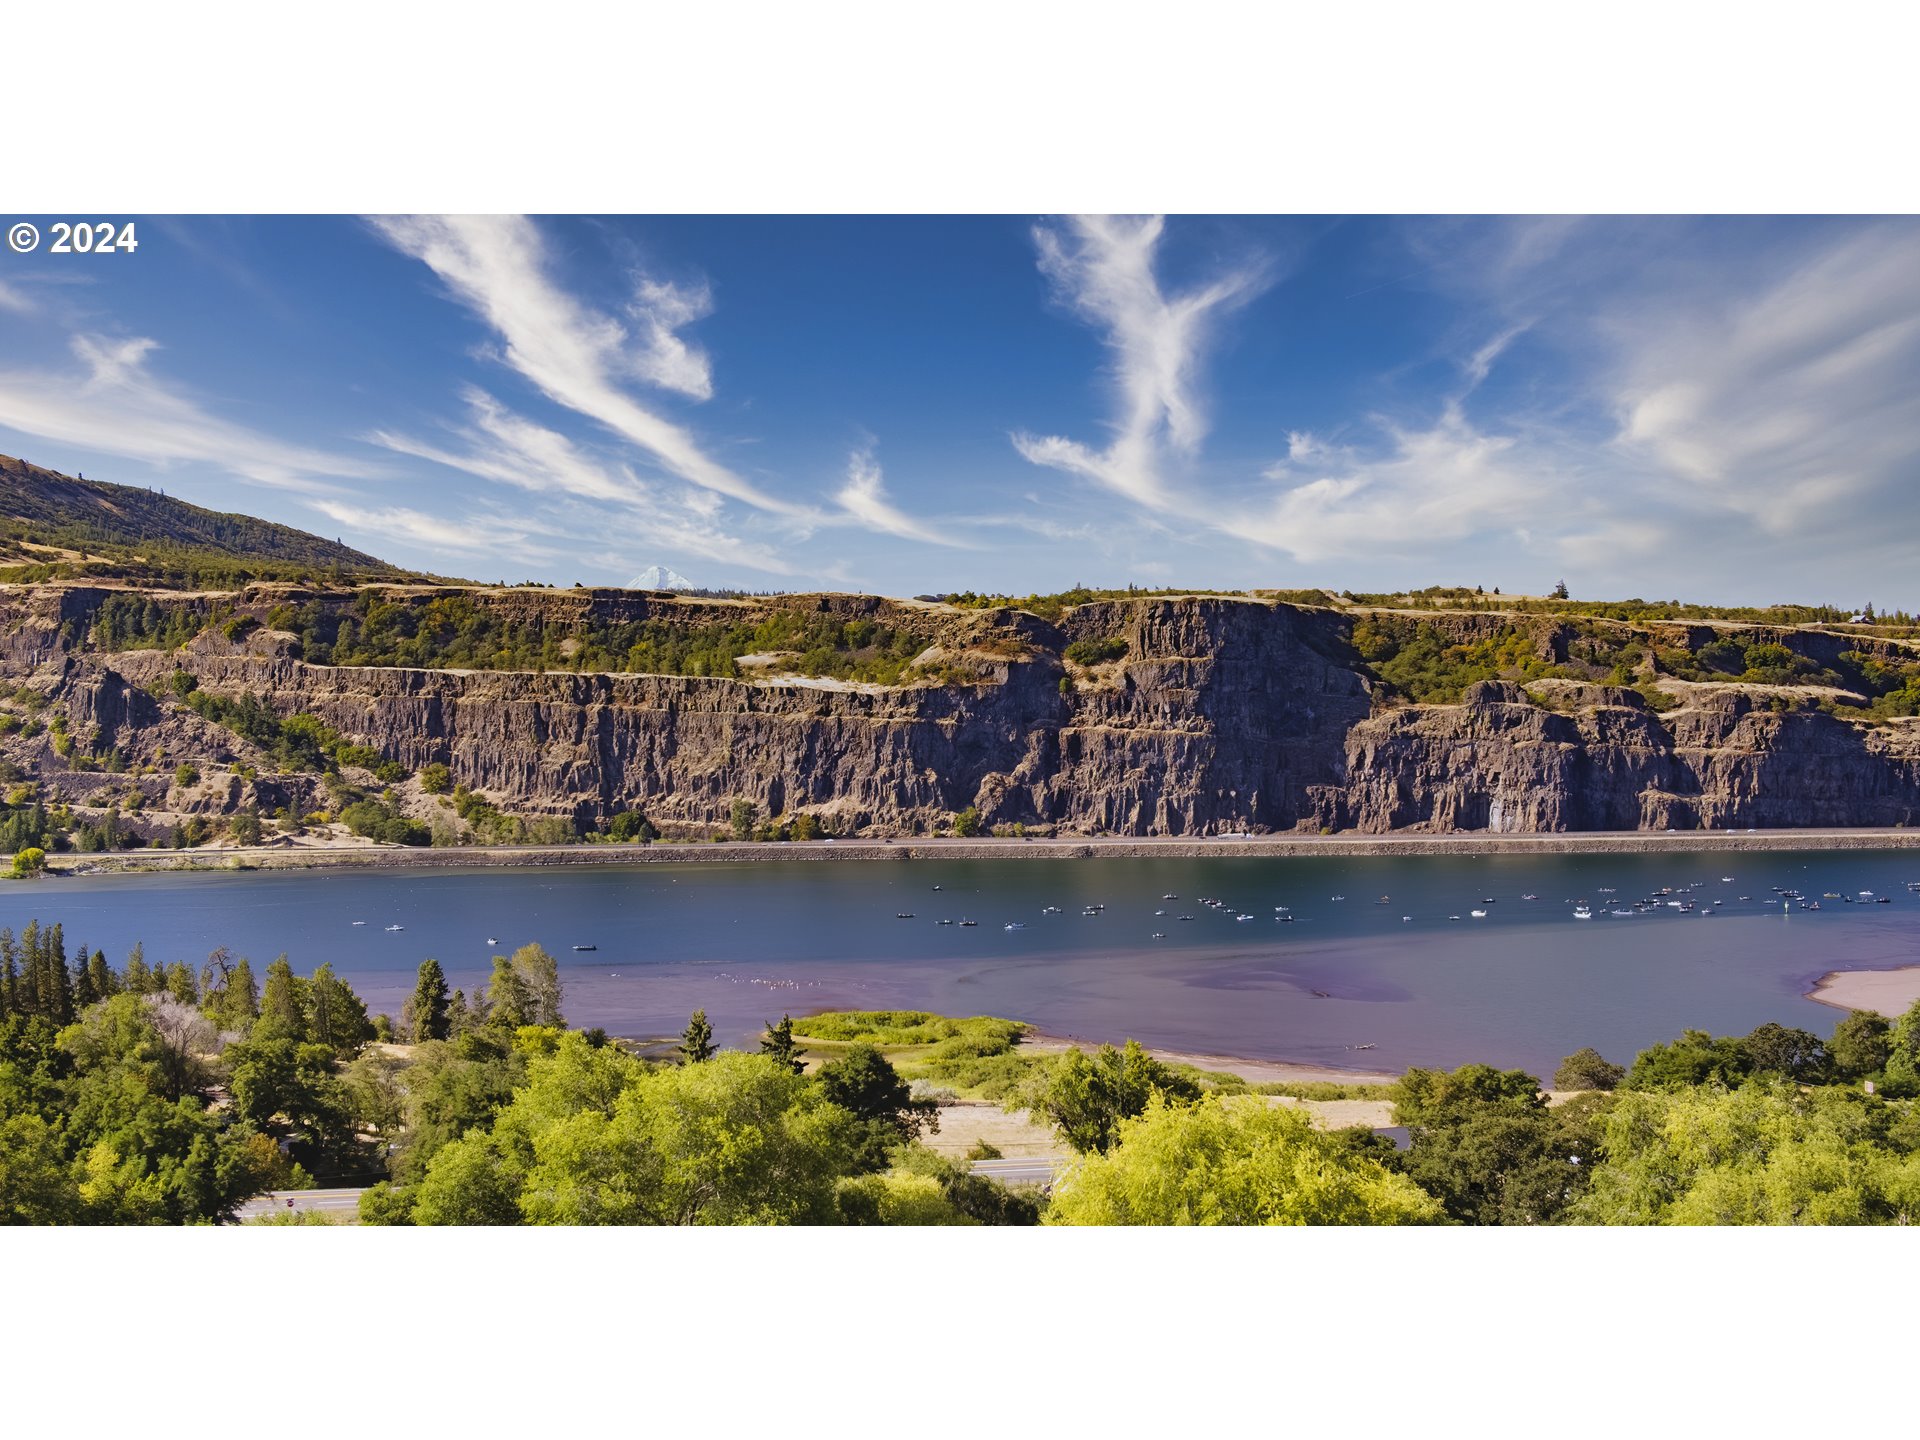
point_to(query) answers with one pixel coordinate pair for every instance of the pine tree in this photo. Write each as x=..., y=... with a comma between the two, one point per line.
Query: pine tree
x=139, y=978
x=429, y=1003
x=9, y=976
x=83, y=995
x=779, y=1044
x=100, y=977
x=696, y=1042
x=337, y=1016
x=179, y=983
x=53, y=967
x=283, y=1005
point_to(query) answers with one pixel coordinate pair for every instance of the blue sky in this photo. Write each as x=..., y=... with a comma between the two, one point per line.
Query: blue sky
x=1722, y=409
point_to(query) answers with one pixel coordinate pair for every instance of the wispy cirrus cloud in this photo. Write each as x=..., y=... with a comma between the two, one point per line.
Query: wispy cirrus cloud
x=117, y=405
x=1793, y=404
x=1103, y=270
x=596, y=498
x=574, y=354
x=505, y=447
x=864, y=499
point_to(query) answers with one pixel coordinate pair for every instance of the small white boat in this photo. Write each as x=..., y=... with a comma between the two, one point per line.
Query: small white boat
x=396, y=927
x=1479, y=914
x=1015, y=925
x=359, y=922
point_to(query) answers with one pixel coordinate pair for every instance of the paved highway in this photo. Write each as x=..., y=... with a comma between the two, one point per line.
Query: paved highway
x=345, y=1203
x=332, y=1202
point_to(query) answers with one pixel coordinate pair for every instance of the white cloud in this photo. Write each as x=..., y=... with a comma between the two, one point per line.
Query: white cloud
x=660, y=309
x=415, y=527
x=11, y=299
x=117, y=406
x=496, y=265
x=1792, y=404
x=512, y=450
x=507, y=448
x=1432, y=486
x=1103, y=269
x=864, y=498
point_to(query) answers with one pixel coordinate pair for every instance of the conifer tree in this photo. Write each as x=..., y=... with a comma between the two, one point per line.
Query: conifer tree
x=139, y=978
x=83, y=995
x=100, y=977
x=179, y=983
x=779, y=1044
x=337, y=1018
x=428, y=1007
x=9, y=975
x=283, y=1008
x=55, y=987
x=696, y=1042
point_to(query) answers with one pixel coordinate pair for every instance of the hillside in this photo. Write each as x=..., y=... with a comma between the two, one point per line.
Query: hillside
x=53, y=526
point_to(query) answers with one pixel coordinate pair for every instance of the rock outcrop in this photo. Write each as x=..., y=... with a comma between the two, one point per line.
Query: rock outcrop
x=1223, y=715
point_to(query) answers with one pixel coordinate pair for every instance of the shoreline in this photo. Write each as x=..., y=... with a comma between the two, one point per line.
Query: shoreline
x=1891, y=992
x=1254, y=1072
x=1592, y=842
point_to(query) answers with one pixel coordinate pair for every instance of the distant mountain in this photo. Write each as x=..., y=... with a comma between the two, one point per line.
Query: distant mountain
x=658, y=577
x=54, y=526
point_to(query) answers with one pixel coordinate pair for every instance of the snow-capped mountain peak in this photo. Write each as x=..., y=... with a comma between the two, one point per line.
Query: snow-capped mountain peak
x=659, y=577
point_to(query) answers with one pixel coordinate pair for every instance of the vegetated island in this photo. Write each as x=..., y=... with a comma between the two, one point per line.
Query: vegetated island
x=174, y=681
x=160, y=1094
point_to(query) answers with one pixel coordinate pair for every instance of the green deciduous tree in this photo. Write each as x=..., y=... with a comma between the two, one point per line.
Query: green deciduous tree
x=1767, y=1153
x=1860, y=1046
x=1234, y=1161
x=864, y=1084
x=1588, y=1069
x=1087, y=1096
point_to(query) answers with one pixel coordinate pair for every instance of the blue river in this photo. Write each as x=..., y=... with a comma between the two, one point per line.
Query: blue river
x=1355, y=962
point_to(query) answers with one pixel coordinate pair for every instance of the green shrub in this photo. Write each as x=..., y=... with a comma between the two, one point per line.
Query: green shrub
x=1097, y=652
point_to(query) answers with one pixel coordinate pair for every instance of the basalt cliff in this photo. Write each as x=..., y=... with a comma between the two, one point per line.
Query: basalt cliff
x=1163, y=716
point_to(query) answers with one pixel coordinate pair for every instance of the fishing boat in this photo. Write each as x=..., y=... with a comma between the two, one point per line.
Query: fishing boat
x=968, y=924
x=903, y=915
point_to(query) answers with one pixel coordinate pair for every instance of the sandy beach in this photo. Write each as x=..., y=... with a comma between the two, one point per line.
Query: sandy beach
x=1891, y=992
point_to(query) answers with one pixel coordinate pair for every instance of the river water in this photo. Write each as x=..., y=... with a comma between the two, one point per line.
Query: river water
x=1346, y=982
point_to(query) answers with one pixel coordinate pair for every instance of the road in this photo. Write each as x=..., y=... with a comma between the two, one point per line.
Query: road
x=1029, y=1171
x=345, y=1203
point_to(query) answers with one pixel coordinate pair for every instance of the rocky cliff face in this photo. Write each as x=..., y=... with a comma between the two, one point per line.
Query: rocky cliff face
x=1224, y=715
